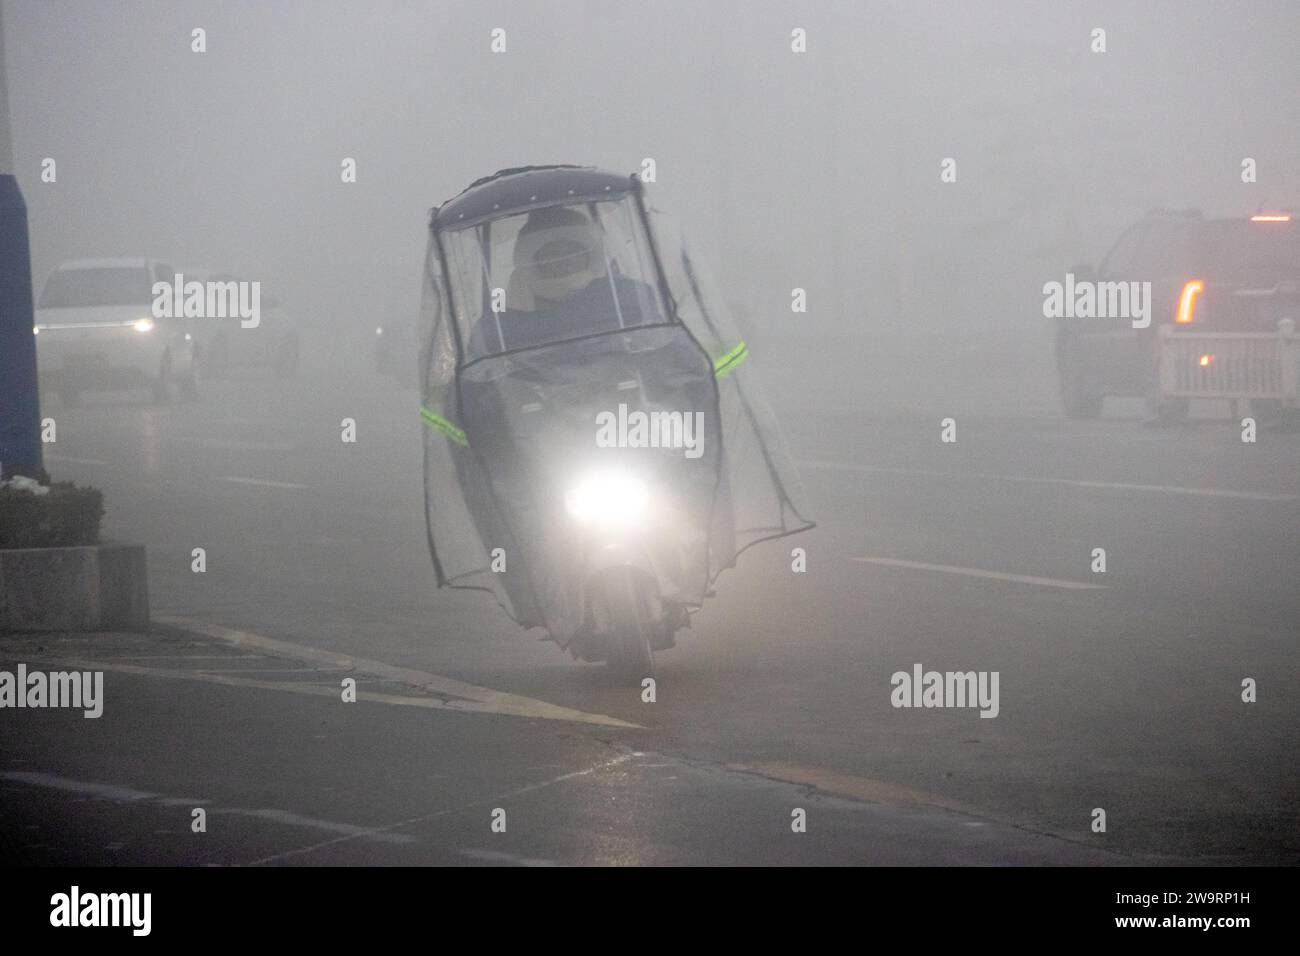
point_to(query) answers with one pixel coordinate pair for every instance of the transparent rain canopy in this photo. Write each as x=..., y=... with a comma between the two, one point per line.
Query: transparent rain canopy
x=569, y=342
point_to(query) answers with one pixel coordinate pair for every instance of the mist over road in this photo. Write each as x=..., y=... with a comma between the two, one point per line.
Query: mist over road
x=1118, y=690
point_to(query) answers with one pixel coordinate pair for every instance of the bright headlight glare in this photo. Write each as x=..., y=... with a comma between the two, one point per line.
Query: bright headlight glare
x=607, y=498
x=142, y=325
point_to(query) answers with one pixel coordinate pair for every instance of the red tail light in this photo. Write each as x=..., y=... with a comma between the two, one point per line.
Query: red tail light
x=1187, y=301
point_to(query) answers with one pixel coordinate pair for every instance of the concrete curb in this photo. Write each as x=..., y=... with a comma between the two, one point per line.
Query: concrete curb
x=95, y=588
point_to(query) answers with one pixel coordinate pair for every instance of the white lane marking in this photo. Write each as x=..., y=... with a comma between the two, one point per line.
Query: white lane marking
x=75, y=461
x=224, y=444
x=129, y=795
x=979, y=573
x=490, y=801
x=1179, y=490
x=260, y=481
x=239, y=423
x=1073, y=482
x=473, y=697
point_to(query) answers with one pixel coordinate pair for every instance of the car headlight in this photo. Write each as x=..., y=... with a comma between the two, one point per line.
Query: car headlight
x=142, y=325
x=607, y=498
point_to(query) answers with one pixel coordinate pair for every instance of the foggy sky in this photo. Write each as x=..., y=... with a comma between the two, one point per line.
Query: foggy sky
x=818, y=170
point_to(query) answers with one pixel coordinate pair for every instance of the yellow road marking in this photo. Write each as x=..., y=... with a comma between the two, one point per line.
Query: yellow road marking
x=866, y=789
x=466, y=697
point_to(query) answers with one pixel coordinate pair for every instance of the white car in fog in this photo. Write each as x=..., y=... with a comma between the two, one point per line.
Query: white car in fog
x=95, y=331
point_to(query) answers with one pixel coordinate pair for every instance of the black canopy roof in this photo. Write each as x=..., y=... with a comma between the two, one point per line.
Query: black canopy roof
x=525, y=187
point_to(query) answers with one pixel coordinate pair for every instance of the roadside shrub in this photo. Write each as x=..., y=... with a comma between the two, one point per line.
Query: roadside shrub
x=64, y=516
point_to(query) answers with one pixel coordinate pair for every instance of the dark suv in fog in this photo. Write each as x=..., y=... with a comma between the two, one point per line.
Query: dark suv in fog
x=1224, y=300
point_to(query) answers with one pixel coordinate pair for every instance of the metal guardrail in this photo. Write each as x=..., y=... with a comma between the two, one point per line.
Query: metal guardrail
x=1248, y=365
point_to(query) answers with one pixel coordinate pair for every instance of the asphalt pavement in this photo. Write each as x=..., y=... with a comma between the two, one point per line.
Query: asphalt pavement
x=1119, y=690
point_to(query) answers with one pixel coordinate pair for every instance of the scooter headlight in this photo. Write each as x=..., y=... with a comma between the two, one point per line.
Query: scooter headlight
x=611, y=498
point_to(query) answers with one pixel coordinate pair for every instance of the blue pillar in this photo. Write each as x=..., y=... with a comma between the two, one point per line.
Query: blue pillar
x=20, y=414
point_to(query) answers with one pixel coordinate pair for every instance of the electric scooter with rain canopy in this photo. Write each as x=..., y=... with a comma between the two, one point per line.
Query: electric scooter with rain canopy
x=596, y=452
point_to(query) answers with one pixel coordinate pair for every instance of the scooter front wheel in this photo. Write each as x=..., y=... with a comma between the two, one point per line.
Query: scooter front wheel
x=630, y=625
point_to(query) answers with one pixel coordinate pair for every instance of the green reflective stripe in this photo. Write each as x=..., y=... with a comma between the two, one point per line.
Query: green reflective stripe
x=434, y=420
x=725, y=363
